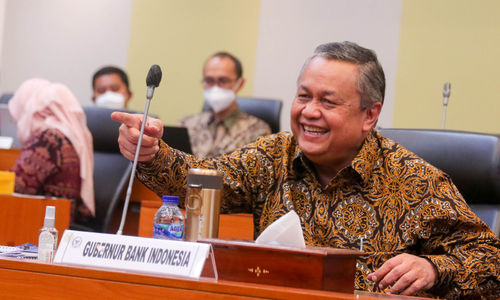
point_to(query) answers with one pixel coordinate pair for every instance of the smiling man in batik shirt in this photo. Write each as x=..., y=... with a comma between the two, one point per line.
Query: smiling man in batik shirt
x=346, y=182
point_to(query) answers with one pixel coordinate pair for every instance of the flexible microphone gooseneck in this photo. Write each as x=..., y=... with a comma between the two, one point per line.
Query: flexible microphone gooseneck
x=446, y=97
x=152, y=81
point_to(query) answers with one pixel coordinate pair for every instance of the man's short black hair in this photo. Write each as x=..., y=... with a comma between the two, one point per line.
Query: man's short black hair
x=110, y=70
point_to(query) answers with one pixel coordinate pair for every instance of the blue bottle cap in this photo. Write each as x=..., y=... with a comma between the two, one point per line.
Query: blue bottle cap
x=170, y=199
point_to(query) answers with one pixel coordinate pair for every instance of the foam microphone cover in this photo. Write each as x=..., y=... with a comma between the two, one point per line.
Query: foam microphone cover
x=154, y=76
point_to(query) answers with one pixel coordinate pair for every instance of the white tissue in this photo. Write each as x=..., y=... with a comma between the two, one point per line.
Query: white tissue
x=6, y=142
x=286, y=231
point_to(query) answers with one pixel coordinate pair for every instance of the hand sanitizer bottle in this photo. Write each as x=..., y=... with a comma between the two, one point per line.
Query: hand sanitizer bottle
x=47, y=240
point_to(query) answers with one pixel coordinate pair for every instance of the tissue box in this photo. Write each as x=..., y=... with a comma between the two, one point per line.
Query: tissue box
x=310, y=268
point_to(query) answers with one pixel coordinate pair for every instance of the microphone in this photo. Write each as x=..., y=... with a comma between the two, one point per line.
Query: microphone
x=446, y=97
x=152, y=81
x=446, y=93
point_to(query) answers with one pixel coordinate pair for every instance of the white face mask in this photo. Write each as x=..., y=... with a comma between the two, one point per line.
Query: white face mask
x=111, y=100
x=219, y=98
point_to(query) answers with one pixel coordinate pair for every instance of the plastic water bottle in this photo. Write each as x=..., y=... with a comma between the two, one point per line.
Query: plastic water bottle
x=168, y=221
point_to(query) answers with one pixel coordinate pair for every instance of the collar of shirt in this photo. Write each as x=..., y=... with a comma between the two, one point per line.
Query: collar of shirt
x=363, y=164
x=297, y=167
x=369, y=157
x=227, y=121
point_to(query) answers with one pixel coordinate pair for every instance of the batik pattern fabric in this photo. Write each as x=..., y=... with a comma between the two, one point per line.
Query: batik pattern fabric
x=388, y=198
x=49, y=166
x=210, y=137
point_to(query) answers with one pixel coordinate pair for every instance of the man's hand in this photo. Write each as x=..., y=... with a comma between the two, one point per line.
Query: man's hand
x=129, y=135
x=407, y=274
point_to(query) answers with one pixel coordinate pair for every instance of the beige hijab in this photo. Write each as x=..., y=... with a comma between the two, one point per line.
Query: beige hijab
x=39, y=105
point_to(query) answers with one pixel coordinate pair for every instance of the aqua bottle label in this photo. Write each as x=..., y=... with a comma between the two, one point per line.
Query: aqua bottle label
x=168, y=231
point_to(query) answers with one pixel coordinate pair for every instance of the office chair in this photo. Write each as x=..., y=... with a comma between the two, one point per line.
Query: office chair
x=111, y=169
x=268, y=110
x=471, y=159
x=4, y=98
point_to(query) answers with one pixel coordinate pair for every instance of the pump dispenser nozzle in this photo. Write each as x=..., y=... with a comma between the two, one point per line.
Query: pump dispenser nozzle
x=50, y=216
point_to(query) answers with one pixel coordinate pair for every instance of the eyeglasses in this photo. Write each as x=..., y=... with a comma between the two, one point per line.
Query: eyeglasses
x=221, y=81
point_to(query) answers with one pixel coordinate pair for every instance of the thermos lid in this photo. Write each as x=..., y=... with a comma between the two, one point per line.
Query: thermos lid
x=208, y=178
x=170, y=199
x=209, y=172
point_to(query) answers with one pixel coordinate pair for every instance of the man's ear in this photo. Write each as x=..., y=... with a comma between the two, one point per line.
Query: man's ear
x=371, y=116
x=128, y=99
x=242, y=83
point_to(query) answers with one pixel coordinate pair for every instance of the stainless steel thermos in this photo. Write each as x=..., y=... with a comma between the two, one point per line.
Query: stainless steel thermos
x=202, y=204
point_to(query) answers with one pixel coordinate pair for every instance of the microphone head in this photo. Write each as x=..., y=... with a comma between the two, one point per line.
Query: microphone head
x=446, y=89
x=154, y=76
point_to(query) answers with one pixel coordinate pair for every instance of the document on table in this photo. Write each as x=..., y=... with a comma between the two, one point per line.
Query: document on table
x=27, y=251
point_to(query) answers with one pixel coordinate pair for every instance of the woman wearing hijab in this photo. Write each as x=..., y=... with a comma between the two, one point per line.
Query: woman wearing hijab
x=56, y=157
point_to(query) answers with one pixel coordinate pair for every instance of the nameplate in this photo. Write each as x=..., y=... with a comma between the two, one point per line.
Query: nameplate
x=132, y=253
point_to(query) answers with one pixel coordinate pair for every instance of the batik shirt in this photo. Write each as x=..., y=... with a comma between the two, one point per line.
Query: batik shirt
x=210, y=137
x=388, y=196
x=49, y=165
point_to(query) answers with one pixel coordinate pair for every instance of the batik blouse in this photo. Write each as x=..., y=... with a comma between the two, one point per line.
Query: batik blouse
x=49, y=165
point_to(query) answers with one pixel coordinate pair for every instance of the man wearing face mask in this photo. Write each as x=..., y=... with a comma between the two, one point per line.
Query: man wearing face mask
x=224, y=128
x=110, y=88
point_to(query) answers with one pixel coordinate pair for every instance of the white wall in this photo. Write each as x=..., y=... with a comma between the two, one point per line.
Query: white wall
x=291, y=29
x=3, y=4
x=64, y=41
x=67, y=41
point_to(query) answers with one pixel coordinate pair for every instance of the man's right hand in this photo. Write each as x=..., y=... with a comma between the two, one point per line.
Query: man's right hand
x=129, y=135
